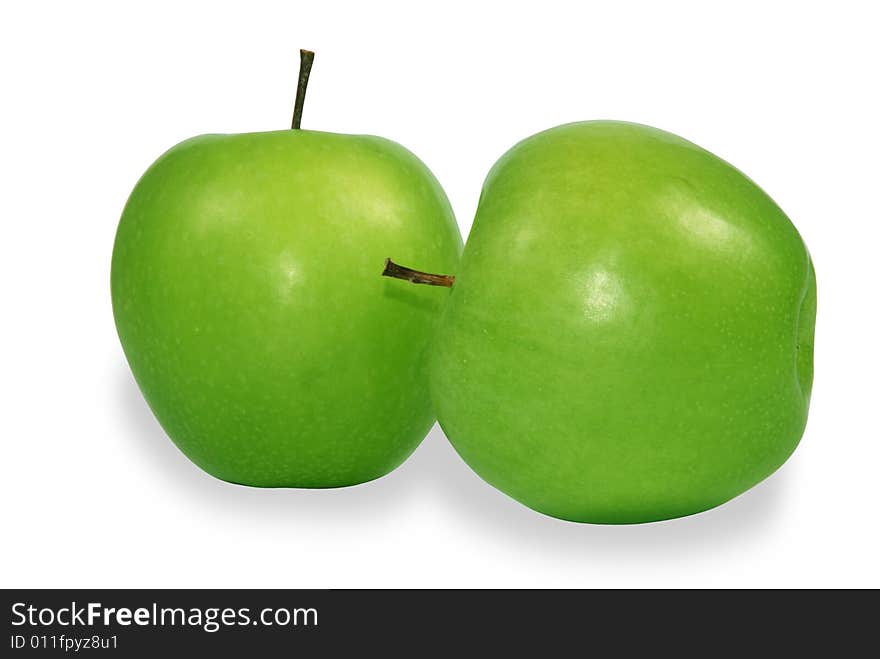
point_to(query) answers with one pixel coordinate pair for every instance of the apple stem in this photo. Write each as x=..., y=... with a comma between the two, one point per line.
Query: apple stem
x=416, y=276
x=305, y=68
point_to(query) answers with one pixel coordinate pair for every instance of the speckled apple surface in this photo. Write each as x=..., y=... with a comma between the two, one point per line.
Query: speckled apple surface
x=630, y=333
x=248, y=299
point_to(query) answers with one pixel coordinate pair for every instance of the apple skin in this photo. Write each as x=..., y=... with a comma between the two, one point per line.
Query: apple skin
x=248, y=299
x=630, y=333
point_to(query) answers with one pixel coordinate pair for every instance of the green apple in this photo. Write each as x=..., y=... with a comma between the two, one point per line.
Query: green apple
x=630, y=333
x=247, y=297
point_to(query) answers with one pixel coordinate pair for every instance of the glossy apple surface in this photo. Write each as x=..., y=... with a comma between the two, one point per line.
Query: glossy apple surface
x=247, y=296
x=630, y=333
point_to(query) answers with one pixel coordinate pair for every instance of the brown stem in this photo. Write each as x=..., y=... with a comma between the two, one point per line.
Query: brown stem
x=305, y=68
x=416, y=276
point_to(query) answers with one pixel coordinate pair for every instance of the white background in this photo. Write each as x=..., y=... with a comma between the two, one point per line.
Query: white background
x=94, y=494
